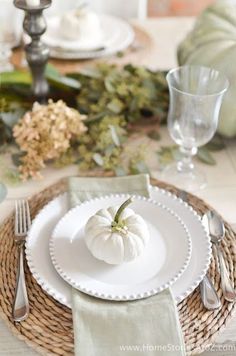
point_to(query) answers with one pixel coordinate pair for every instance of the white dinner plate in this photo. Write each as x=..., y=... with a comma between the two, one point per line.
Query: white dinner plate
x=117, y=35
x=42, y=269
x=156, y=269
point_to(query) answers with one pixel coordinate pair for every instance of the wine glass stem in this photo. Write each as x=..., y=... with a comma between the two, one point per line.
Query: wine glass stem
x=186, y=165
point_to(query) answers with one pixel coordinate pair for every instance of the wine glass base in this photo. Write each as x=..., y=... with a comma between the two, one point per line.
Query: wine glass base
x=189, y=181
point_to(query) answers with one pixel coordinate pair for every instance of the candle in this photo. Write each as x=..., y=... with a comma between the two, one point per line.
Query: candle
x=33, y=3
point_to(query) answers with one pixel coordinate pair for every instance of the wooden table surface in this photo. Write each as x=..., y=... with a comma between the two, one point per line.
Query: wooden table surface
x=155, y=48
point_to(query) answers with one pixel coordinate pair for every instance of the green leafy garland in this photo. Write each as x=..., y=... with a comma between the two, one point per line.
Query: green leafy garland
x=114, y=99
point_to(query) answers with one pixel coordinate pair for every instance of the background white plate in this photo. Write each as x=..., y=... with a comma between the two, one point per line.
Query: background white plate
x=164, y=259
x=118, y=35
x=39, y=261
x=54, y=38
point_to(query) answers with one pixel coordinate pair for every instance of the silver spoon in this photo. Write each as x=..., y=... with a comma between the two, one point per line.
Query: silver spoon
x=217, y=233
x=209, y=296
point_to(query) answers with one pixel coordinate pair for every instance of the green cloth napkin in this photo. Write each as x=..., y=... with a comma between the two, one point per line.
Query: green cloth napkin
x=107, y=328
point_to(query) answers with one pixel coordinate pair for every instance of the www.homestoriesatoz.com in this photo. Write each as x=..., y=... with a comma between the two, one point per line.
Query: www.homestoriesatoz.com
x=170, y=348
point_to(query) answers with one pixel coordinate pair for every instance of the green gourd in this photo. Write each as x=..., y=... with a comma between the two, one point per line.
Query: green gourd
x=212, y=43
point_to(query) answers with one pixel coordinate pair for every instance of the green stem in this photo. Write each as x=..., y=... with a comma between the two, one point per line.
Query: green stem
x=121, y=209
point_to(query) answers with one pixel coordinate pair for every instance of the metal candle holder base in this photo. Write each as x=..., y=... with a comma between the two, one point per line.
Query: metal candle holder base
x=37, y=53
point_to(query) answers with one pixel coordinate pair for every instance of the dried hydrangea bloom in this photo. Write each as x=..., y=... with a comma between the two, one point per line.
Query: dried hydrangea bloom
x=45, y=133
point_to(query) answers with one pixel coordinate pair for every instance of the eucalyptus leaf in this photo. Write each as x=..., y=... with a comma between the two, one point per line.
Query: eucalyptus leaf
x=109, y=150
x=3, y=192
x=160, y=112
x=115, y=106
x=130, y=68
x=98, y=159
x=120, y=54
x=11, y=118
x=97, y=117
x=74, y=75
x=168, y=154
x=205, y=156
x=5, y=133
x=94, y=96
x=177, y=155
x=154, y=135
x=12, y=176
x=139, y=167
x=16, y=158
x=78, y=160
x=133, y=104
x=150, y=86
x=109, y=85
x=120, y=171
x=114, y=135
x=216, y=144
x=91, y=72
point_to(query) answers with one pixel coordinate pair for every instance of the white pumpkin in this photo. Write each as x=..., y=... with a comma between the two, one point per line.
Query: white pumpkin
x=116, y=235
x=212, y=43
x=80, y=25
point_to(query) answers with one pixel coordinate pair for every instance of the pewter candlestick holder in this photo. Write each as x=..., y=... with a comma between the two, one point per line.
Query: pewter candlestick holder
x=37, y=53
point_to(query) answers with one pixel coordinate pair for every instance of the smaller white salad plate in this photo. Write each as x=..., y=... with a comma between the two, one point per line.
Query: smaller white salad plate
x=163, y=261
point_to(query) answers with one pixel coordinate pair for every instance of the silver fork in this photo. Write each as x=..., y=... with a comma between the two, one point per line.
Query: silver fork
x=20, y=309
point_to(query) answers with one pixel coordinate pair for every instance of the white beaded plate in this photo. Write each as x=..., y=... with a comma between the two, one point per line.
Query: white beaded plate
x=42, y=269
x=164, y=259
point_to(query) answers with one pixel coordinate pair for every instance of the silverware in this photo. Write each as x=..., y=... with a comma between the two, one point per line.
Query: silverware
x=208, y=293
x=20, y=309
x=217, y=233
x=209, y=297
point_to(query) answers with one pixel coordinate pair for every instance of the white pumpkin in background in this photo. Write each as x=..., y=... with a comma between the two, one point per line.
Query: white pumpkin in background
x=116, y=235
x=81, y=25
x=212, y=43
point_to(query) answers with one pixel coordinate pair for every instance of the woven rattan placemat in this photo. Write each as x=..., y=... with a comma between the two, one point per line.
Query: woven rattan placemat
x=48, y=329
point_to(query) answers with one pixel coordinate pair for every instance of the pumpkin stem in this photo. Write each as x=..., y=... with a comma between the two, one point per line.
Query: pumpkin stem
x=121, y=209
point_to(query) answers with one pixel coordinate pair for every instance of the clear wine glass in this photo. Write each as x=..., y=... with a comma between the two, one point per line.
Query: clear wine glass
x=10, y=32
x=196, y=95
